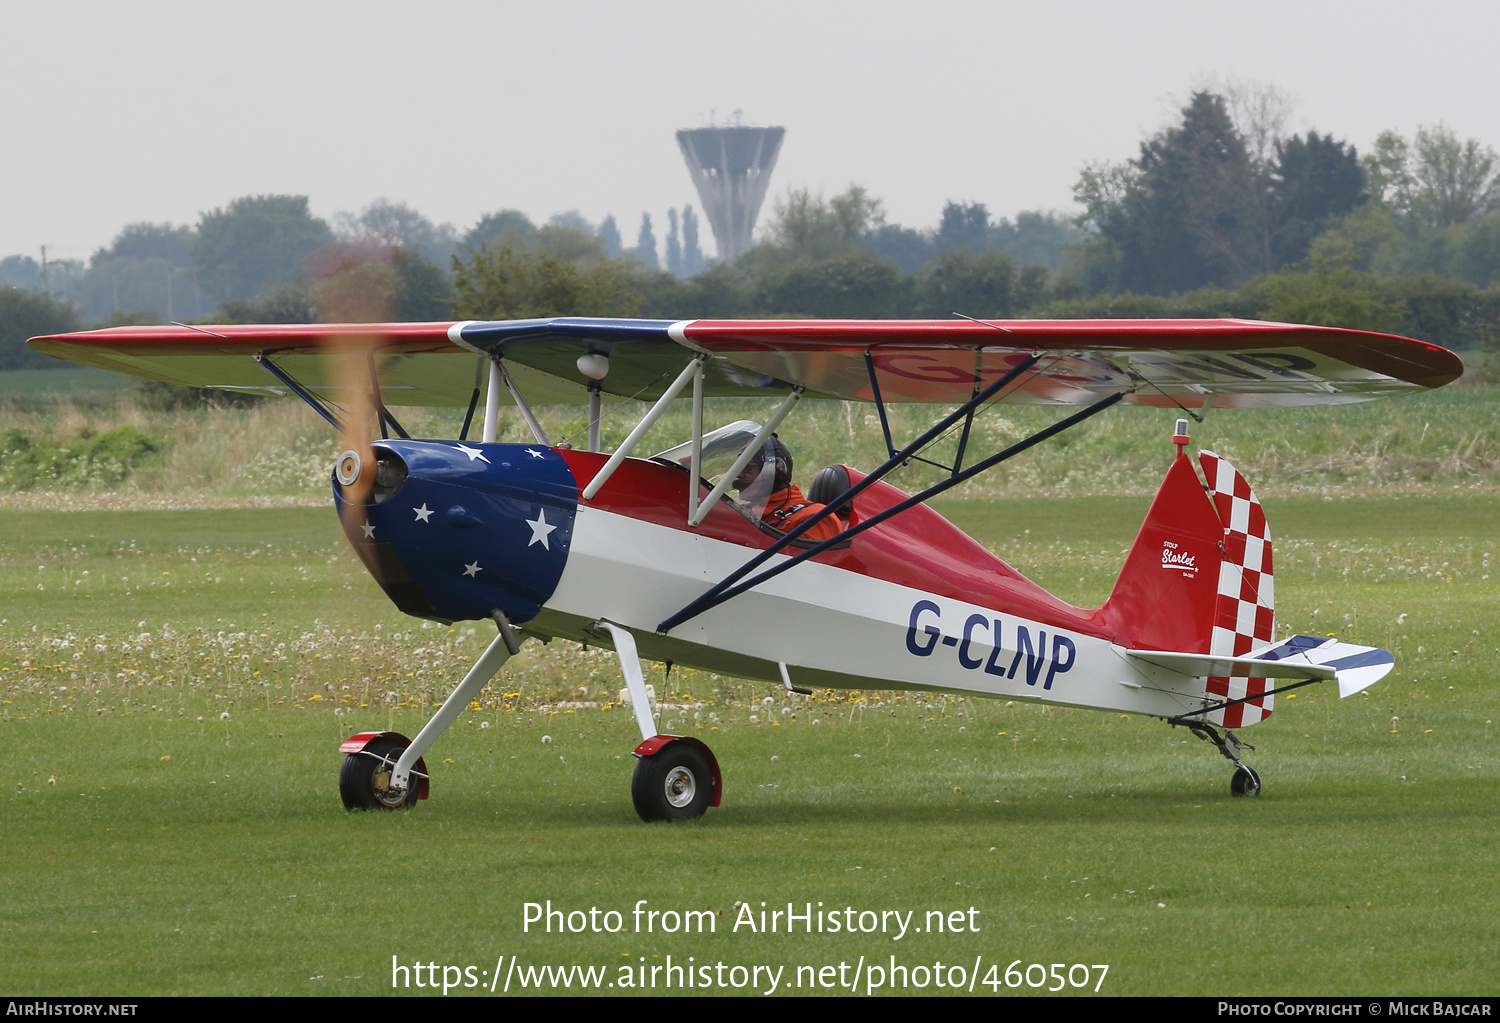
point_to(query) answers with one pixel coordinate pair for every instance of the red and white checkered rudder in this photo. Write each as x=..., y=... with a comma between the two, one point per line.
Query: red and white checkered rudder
x=1245, y=612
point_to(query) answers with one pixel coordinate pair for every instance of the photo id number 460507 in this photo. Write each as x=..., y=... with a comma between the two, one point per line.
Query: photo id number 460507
x=1052, y=978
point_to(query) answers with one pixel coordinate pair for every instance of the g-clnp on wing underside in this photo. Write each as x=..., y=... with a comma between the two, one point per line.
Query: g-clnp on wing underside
x=688, y=557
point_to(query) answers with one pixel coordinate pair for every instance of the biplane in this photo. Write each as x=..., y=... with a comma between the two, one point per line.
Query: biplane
x=669, y=557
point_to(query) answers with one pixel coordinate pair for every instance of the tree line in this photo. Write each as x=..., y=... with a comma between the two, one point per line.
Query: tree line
x=1222, y=212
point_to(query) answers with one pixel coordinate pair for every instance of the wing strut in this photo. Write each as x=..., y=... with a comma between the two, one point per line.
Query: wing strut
x=885, y=426
x=689, y=372
x=963, y=440
x=384, y=416
x=280, y=374
x=498, y=370
x=385, y=413
x=726, y=588
x=473, y=401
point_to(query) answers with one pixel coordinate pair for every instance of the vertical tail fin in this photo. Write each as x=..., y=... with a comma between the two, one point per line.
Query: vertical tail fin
x=1198, y=578
x=1164, y=598
x=1245, y=609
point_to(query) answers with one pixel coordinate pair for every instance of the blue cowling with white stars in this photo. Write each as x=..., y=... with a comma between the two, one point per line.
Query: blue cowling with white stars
x=456, y=530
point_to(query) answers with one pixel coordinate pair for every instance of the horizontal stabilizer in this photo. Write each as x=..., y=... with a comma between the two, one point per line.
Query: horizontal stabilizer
x=1355, y=667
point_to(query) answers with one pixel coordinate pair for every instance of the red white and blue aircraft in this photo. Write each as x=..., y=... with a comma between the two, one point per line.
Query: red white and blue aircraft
x=654, y=558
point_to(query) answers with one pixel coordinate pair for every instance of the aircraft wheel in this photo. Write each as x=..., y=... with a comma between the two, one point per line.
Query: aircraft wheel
x=675, y=784
x=364, y=779
x=1245, y=781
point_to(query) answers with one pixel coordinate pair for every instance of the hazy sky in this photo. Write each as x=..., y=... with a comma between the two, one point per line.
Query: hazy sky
x=130, y=111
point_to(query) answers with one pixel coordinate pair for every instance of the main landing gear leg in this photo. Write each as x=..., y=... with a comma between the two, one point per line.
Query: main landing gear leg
x=1245, y=781
x=676, y=777
x=392, y=789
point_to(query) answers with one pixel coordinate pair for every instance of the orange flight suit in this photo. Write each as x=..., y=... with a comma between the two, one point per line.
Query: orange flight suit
x=786, y=509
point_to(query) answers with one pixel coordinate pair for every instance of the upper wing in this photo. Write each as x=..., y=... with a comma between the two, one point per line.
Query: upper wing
x=1194, y=363
x=419, y=364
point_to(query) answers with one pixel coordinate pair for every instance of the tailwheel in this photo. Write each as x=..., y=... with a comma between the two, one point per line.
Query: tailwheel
x=1246, y=782
x=365, y=778
x=675, y=784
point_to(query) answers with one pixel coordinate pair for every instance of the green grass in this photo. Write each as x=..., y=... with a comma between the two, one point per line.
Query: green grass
x=1423, y=444
x=175, y=686
x=83, y=384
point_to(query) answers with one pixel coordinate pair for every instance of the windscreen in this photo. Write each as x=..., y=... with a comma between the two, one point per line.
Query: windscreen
x=721, y=449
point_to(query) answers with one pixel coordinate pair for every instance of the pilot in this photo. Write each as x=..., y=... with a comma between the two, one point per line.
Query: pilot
x=787, y=508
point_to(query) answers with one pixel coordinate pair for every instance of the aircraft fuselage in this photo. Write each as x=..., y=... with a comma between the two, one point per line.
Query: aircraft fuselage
x=912, y=604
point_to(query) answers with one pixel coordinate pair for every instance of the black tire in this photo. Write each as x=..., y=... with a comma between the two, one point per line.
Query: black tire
x=674, y=785
x=1245, y=781
x=358, y=778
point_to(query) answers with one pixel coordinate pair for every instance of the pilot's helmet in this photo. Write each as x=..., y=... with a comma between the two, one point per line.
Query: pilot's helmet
x=781, y=461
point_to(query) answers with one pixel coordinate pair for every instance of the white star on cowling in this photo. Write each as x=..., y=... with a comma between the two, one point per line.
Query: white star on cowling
x=539, y=530
x=534, y=454
x=473, y=453
x=369, y=531
x=423, y=513
x=472, y=570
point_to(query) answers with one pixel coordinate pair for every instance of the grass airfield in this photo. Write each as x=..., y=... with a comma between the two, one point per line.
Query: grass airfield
x=175, y=686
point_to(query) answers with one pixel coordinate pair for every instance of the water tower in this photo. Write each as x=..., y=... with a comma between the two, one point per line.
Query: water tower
x=731, y=168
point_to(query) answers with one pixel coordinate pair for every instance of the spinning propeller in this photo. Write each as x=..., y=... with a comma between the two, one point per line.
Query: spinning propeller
x=358, y=286
x=355, y=468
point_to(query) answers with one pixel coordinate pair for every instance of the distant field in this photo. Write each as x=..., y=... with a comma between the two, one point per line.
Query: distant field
x=175, y=685
x=1440, y=441
x=82, y=384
